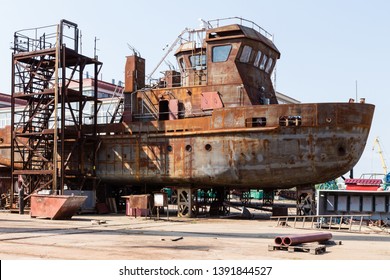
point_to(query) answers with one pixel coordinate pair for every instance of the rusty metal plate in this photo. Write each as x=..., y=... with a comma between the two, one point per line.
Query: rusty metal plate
x=55, y=207
x=138, y=201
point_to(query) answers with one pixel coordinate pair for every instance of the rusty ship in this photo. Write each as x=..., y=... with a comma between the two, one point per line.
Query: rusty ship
x=214, y=123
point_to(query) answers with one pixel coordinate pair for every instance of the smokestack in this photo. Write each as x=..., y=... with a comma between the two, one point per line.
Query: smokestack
x=134, y=73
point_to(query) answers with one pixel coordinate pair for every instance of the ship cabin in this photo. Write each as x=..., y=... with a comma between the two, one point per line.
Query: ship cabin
x=231, y=66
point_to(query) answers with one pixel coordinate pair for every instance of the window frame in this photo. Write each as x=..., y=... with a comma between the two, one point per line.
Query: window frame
x=245, y=55
x=182, y=64
x=199, y=58
x=226, y=56
x=259, y=54
x=263, y=62
x=269, y=66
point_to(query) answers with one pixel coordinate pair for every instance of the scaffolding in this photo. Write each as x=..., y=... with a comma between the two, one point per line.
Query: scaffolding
x=51, y=146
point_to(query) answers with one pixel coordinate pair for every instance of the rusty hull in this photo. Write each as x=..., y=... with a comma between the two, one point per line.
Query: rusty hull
x=293, y=144
x=55, y=207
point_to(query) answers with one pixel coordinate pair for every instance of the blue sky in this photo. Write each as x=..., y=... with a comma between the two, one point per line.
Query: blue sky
x=326, y=46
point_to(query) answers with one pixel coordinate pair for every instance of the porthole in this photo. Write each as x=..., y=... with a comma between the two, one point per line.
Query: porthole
x=341, y=151
x=189, y=148
x=169, y=148
x=208, y=147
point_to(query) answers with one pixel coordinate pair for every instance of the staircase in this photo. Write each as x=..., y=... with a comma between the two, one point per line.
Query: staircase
x=47, y=146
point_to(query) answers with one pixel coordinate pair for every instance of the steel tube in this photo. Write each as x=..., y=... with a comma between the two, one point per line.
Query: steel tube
x=279, y=240
x=304, y=238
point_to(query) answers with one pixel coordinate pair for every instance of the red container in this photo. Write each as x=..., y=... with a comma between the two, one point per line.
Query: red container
x=361, y=188
x=362, y=184
x=138, y=205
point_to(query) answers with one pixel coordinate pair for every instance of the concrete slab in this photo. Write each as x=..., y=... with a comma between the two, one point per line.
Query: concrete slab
x=126, y=238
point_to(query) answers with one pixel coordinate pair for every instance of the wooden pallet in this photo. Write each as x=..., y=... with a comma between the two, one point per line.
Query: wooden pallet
x=310, y=248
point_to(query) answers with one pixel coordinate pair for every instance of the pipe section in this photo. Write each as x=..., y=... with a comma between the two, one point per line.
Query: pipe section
x=305, y=238
x=279, y=240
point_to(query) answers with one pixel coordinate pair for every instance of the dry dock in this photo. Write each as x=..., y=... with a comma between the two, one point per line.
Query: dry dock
x=120, y=237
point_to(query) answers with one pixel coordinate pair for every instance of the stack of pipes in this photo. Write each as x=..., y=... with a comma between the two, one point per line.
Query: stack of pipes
x=294, y=239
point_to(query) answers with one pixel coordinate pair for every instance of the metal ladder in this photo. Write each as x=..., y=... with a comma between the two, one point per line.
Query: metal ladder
x=323, y=222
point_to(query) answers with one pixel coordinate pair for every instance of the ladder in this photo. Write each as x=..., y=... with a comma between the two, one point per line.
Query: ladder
x=117, y=101
x=323, y=222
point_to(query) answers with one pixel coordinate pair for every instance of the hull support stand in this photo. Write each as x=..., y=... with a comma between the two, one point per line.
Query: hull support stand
x=186, y=203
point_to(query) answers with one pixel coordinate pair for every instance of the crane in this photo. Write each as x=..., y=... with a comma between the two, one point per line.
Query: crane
x=169, y=50
x=376, y=143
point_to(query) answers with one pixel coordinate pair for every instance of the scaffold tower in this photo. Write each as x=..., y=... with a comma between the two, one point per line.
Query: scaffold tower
x=53, y=142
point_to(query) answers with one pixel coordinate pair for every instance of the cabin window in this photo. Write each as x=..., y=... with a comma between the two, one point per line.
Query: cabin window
x=182, y=64
x=269, y=65
x=221, y=53
x=257, y=59
x=198, y=61
x=263, y=62
x=246, y=54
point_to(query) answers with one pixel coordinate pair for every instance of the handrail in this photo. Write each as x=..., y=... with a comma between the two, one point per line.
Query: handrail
x=243, y=21
x=40, y=38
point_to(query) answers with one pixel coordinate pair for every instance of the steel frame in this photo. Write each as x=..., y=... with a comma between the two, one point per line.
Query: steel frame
x=50, y=140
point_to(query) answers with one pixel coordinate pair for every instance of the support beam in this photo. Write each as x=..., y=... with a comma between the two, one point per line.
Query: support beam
x=186, y=203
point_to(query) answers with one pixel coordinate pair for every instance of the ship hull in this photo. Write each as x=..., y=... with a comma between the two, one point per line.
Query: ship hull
x=275, y=146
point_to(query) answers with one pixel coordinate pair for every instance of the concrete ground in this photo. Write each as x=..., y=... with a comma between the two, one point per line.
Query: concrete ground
x=119, y=237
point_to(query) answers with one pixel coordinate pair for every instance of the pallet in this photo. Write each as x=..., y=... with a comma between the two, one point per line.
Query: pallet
x=312, y=249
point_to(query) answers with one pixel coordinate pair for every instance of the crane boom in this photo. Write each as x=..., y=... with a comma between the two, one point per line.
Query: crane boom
x=169, y=50
x=376, y=143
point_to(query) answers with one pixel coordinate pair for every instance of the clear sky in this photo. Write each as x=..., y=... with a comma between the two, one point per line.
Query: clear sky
x=327, y=47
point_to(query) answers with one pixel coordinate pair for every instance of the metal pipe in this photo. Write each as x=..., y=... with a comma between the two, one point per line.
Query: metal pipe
x=56, y=93
x=305, y=238
x=279, y=240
